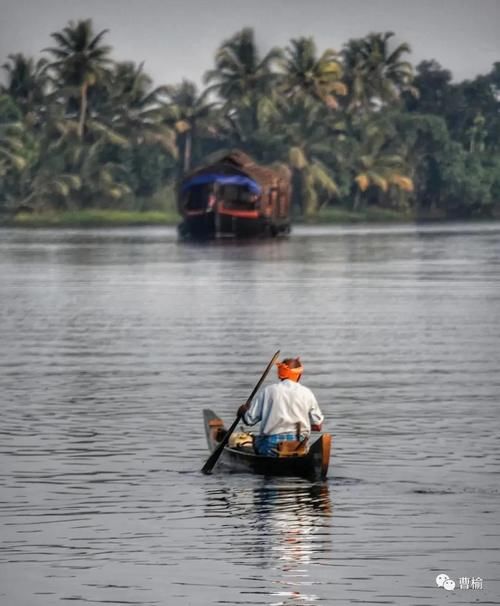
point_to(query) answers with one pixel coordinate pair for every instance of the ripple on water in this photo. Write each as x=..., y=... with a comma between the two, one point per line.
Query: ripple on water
x=112, y=342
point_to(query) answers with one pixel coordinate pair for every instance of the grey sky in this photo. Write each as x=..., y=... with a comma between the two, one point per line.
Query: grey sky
x=177, y=38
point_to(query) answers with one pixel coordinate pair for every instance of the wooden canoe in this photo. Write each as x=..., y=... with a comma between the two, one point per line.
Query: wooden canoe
x=312, y=466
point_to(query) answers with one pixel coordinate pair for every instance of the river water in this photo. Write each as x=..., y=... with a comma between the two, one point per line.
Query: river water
x=112, y=343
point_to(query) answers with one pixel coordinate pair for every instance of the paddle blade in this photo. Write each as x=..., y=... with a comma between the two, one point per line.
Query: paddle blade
x=214, y=457
x=211, y=461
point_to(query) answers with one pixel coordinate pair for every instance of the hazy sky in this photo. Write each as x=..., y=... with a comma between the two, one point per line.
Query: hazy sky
x=177, y=38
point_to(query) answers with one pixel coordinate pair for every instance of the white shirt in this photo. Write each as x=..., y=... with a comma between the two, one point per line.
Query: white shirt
x=279, y=407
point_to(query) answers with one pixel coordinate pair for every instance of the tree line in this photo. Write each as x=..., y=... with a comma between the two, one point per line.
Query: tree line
x=356, y=127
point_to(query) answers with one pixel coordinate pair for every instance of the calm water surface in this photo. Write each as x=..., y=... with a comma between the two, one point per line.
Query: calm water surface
x=112, y=343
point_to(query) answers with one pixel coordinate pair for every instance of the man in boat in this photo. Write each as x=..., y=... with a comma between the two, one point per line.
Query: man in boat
x=286, y=410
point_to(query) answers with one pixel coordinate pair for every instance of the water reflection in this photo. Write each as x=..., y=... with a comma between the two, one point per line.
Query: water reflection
x=113, y=341
x=284, y=533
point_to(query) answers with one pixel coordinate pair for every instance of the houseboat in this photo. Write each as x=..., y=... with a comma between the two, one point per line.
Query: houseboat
x=236, y=197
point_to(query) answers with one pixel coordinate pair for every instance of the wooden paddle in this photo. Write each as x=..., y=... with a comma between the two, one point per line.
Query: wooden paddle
x=214, y=457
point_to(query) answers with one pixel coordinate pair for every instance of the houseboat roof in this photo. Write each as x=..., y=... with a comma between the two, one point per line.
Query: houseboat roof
x=225, y=167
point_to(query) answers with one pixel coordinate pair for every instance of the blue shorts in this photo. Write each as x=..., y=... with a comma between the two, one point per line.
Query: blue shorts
x=267, y=445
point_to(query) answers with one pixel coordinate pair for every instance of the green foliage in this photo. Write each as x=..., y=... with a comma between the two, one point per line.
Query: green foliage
x=376, y=72
x=362, y=133
x=26, y=83
x=94, y=217
x=307, y=74
x=190, y=116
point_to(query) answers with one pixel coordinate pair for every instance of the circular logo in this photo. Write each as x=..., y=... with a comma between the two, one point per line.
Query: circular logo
x=441, y=578
x=449, y=584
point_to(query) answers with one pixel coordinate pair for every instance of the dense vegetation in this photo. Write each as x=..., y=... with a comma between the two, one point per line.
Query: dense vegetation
x=358, y=128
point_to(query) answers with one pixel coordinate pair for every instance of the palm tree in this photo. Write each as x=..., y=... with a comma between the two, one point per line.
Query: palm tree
x=17, y=151
x=80, y=61
x=49, y=190
x=376, y=74
x=26, y=82
x=305, y=73
x=74, y=171
x=188, y=112
x=102, y=179
x=240, y=74
x=307, y=150
x=131, y=107
x=297, y=133
x=81, y=173
x=378, y=166
x=11, y=147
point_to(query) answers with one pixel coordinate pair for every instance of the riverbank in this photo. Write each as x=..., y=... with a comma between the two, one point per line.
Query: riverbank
x=92, y=218
x=374, y=214
x=120, y=218
x=368, y=215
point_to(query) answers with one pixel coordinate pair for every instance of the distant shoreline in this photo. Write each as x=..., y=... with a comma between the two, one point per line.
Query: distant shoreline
x=117, y=218
x=91, y=218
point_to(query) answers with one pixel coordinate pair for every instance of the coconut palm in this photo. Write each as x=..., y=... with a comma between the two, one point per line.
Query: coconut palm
x=102, y=179
x=50, y=190
x=188, y=113
x=305, y=73
x=18, y=152
x=378, y=165
x=375, y=73
x=11, y=147
x=80, y=62
x=306, y=148
x=240, y=74
x=132, y=108
x=12, y=156
x=82, y=174
x=235, y=127
x=74, y=170
x=26, y=82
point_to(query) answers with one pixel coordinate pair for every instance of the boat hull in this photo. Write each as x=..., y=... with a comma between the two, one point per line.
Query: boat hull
x=208, y=226
x=312, y=466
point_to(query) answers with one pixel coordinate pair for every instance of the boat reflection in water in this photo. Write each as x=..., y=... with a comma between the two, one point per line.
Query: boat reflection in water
x=284, y=533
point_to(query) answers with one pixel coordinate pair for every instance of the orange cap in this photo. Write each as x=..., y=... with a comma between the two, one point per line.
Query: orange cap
x=285, y=372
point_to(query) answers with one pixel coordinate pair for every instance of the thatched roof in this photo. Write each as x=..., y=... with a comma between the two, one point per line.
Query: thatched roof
x=237, y=162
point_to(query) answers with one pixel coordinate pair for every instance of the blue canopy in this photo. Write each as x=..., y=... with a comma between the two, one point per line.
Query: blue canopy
x=224, y=179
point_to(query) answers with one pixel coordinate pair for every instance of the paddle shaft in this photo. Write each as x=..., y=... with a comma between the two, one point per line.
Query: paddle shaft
x=214, y=457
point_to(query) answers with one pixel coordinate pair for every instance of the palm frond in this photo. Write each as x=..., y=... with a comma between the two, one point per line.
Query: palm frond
x=404, y=183
x=363, y=181
x=94, y=43
x=323, y=179
x=108, y=133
